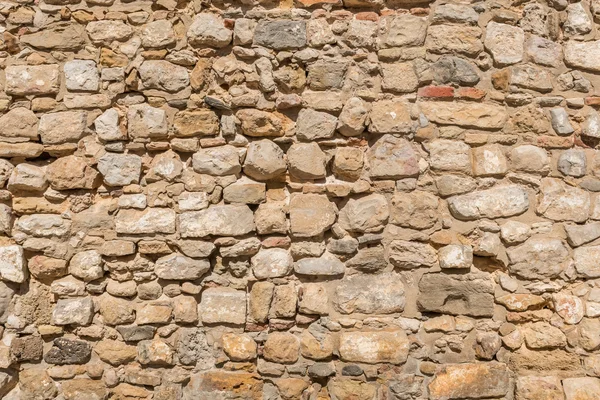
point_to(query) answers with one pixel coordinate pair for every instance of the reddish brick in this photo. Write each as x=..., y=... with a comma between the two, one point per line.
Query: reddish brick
x=310, y=3
x=444, y=92
x=555, y=142
x=367, y=16
x=229, y=23
x=276, y=241
x=341, y=14
x=420, y=11
x=470, y=94
x=592, y=101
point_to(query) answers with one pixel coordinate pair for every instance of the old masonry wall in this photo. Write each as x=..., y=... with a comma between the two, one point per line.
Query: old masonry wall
x=312, y=199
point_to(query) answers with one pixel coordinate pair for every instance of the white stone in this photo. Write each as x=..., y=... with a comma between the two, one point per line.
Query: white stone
x=81, y=75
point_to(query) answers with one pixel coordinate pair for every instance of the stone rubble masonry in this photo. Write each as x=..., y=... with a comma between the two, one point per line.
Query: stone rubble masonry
x=299, y=200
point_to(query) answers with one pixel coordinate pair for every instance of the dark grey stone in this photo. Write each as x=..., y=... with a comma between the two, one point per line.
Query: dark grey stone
x=280, y=35
x=66, y=351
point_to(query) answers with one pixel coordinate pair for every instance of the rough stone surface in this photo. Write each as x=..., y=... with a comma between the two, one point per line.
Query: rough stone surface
x=308, y=199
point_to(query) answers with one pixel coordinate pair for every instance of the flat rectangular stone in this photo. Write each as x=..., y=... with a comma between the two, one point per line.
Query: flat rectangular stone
x=470, y=115
x=32, y=79
x=374, y=347
x=149, y=221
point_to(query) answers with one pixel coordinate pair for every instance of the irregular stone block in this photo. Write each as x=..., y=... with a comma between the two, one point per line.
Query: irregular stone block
x=148, y=221
x=225, y=220
x=374, y=347
x=498, y=202
x=22, y=80
x=370, y=294
x=223, y=305
x=470, y=381
x=468, y=294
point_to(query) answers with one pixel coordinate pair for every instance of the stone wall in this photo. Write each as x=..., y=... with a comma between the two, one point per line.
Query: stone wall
x=367, y=200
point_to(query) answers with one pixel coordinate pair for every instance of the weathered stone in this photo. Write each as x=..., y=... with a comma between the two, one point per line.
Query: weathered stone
x=469, y=115
x=280, y=35
x=306, y=161
x=264, y=160
x=18, y=125
x=223, y=305
x=115, y=352
x=190, y=123
x=107, y=31
x=399, y=77
x=84, y=389
x=60, y=36
x=454, y=39
x=538, y=258
x=450, y=69
x=148, y=221
x=539, y=388
x=392, y=158
x=87, y=265
x=271, y=263
x=144, y=121
x=120, y=169
x=455, y=256
x=71, y=172
x=498, y=202
x=13, y=266
x=489, y=161
x=469, y=294
x=245, y=191
x=256, y=123
x=406, y=255
x=179, y=267
x=531, y=159
x=163, y=75
x=158, y=34
x=390, y=116
x=219, y=161
x=208, y=30
x=24, y=80
x=585, y=261
x=560, y=202
x=311, y=215
x=353, y=117
x=62, y=127
x=460, y=381
x=108, y=126
x=416, y=210
x=374, y=347
x=312, y=125
x=403, y=30
x=326, y=265
x=239, y=347
x=65, y=351
x=34, y=383
x=282, y=347
x=155, y=352
x=231, y=384
x=569, y=307
x=224, y=220
x=81, y=75
x=543, y=51
x=572, y=163
x=582, y=54
x=578, y=22
x=505, y=42
x=581, y=388
x=379, y=294
x=365, y=214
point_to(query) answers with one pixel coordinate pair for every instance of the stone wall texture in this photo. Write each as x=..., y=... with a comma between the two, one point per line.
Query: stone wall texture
x=312, y=199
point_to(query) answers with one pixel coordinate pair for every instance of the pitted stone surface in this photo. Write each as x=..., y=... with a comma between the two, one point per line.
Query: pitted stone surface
x=308, y=199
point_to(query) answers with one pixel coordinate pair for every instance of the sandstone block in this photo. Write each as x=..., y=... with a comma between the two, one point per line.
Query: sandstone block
x=62, y=127
x=79, y=311
x=311, y=214
x=18, y=125
x=225, y=220
x=538, y=258
x=223, y=305
x=374, y=347
x=24, y=80
x=498, y=202
x=218, y=161
x=208, y=30
x=365, y=214
x=392, y=158
x=458, y=381
x=148, y=221
x=366, y=294
x=81, y=75
x=179, y=267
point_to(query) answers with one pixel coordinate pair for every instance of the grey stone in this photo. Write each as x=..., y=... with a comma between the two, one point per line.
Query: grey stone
x=450, y=69
x=572, y=163
x=578, y=22
x=68, y=352
x=313, y=125
x=223, y=220
x=120, y=169
x=81, y=75
x=280, y=35
x=219, y=161
x=582, y=234
x=134, y=333
x=87, y=265
x=364, y=214
x=402, y=30
x=271, y=263
x=498, y=202
x=223, y=306
x=407, y=255
x=179, y=267
x=208, y=30
x=13, y=267
x=163, y=75
x=505, y=42
x=78, y=311
x=468, y=294
x=326, y=265
x=560, y=202
x=560, y=121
